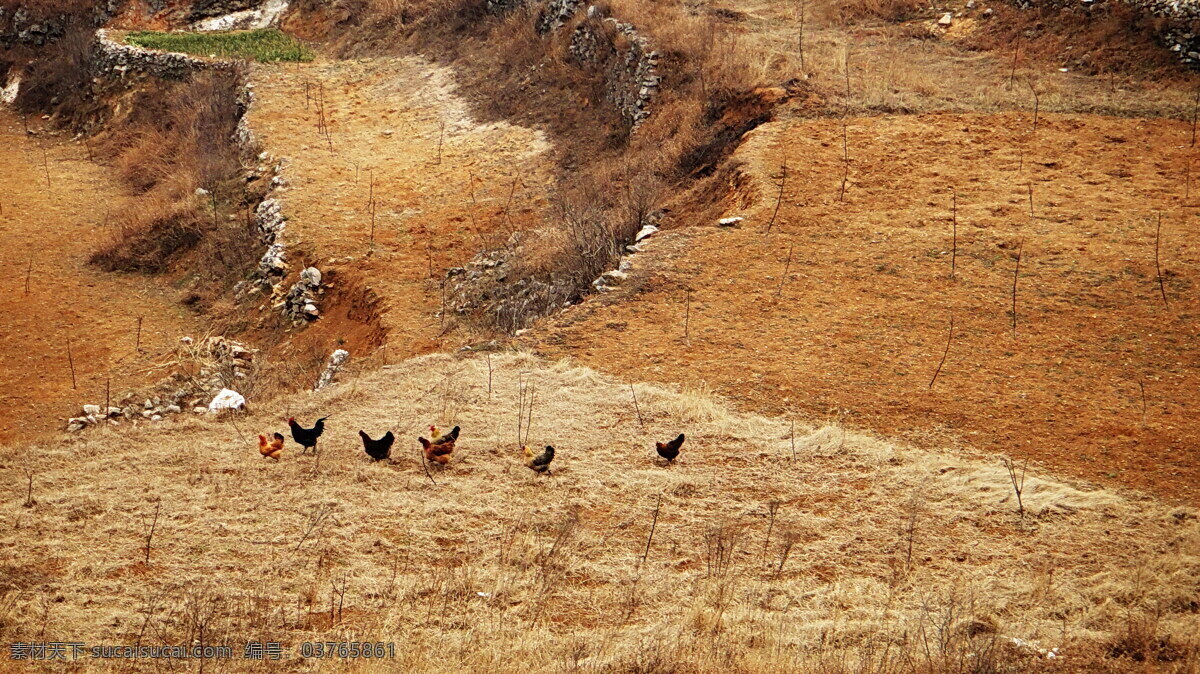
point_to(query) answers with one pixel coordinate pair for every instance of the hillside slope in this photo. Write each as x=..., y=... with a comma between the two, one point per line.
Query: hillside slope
x=493, y=567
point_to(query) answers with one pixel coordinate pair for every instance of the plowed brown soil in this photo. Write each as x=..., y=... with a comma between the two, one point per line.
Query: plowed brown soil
x=47, y=233
x=861, y=320
x=444, y=184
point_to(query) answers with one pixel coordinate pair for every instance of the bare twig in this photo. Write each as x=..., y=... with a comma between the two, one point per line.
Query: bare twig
x=949, y=337
x=1018, y=482
x=778, y=197
x=138, y=338
x=28, y=274
x=441, y=136
x=1157, y=267
x=954, y=225
x=1016, y=274
x=28, y=489
x=653, y=525
x=150, y=529
x=772, y=508
x=636, y=408
x=316, y=520
x=687, y=314
x=786, y=267
x=489, y=362
x=1142, y=388
x=71, y=363
x=1195, y=114
x=1037, y=104
x=792, y=436
x=46, y=165
x=1012, y=73
x=425, y=466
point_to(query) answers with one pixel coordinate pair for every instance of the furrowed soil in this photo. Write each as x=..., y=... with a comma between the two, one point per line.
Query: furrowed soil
x=858, y=325
x=444, y=185
x=47, y=233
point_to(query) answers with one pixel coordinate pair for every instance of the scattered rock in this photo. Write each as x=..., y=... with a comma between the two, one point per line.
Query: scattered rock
x=227, y=400
x=336, y=360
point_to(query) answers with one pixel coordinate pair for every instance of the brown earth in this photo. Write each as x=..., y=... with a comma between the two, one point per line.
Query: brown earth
x=49, y=232
x=442, y=182
x=859, y=324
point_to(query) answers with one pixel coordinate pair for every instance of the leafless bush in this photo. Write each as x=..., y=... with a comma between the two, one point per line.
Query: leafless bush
x=59, y=80
x=720, y=542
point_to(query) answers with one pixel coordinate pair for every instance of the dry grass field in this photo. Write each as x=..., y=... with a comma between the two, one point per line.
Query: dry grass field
x=895, y=462
x=840, y=552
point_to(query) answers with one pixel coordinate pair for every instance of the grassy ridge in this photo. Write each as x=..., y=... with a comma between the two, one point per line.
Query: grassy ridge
x=261, y=45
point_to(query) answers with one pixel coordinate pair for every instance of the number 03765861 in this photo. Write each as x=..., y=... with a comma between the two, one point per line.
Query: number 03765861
x=347, y=649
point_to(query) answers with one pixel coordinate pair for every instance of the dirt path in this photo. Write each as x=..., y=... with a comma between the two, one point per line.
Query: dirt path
x=442, y=182
x=55, y=229
x=861, y=321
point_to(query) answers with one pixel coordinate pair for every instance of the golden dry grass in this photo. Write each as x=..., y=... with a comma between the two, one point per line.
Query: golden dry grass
x=495, y=568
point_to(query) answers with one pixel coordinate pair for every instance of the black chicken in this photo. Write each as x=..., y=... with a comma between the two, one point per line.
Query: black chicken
x=669, y=450
x=307, y=437
x=378, y=449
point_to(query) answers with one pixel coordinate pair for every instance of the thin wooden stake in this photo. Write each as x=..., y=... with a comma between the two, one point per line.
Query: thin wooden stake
x=636, y=408
x=489, y=362
x=786, y=267
x=1142, y=388
x=792, y=435
x=442, y=319
x=772, y=508
x=1016, y=273
x=653, y=526
x=441, y=136
x=1012, y=73
x=778, y=197
x=1158, y=268
x=1195, y=113
x=71, y=362
x=949, y=336
x=954, y=225
x=46, y=165
x=107, y=395
x=28, y=273
x=687, y=314
x=138, y=339
x=1037, y=105
x=1031, y=199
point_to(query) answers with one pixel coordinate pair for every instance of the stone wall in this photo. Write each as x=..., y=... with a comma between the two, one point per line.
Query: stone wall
x=113, y=58
x=630, y=66
x=1180, y=20
x=614, y=49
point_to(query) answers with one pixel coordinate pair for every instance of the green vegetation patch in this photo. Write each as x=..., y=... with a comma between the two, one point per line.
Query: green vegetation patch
x=261, y=45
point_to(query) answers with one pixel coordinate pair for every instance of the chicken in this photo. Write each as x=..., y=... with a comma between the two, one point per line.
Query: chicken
x=439, y=449
x=669, y=450
x=437, y=453
x=378, y=449
x=270, y=449
x=541, y=462
x=307, y=437
x=437, y=439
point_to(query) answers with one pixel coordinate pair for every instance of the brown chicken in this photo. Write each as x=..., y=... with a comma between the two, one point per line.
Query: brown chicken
x=439, y=449
x=271, y=449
